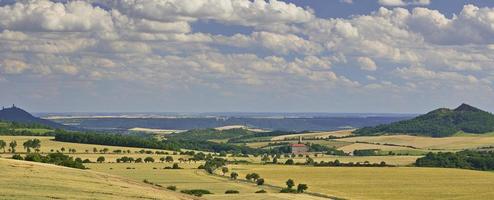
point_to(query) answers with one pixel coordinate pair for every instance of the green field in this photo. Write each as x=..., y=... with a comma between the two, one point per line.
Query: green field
x=29, y=180
x=381, y=183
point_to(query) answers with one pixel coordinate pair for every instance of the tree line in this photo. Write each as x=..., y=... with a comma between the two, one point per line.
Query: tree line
x=153, y=143
x=53, y=158
x=468, y=159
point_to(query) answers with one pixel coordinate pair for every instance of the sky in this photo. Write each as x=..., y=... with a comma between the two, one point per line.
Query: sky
x=381, y=56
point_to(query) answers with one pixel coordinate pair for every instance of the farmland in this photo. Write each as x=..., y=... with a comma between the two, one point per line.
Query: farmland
x=463, y=141
x=47, y=144
x=192, y=178
x=381, y=183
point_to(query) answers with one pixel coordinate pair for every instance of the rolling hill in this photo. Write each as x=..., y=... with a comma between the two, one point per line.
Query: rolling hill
x=441, y=122
x=15, y=114
x=29, y=180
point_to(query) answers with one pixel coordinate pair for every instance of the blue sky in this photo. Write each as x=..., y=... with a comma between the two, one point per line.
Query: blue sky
x=397, y=56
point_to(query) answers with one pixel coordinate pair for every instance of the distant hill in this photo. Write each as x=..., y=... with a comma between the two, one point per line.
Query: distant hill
x=15, y=114
x=441, y=122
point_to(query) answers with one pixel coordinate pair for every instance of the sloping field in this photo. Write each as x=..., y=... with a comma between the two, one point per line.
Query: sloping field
x=47, y=144
x=391, y=183
x=188, y=178
x=448, y=143
x=357, y=146
x=391, y=160
x=193, y=178
x=29, y=180
x=341, y=133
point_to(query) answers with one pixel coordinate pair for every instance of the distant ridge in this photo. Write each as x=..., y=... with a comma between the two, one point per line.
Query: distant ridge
x=16, y=114
x=441, y=122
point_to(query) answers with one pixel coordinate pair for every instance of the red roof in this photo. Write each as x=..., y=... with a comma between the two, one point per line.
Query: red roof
x=297, y=145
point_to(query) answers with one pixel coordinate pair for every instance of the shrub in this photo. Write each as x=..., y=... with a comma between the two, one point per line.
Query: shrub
x=172, y=187
x=17, y=157
x=196, y=192
x=232, y=192
x=288, y=190
x=301, y=188
x=175, y=166
x=260, y=181
x=289, y=162
x=261, y=191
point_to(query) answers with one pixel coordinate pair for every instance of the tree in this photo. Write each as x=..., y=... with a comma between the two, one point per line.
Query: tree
x=175, y=166
x=95, y=150
x=253, y=176
x=275, y=160
x=162, y=159
x=148, y=159
x=169, y=159
x=260, y=181
x=12, y=146
x=248, y=177
x=265, y=159
x=301, y=188
x=224, y=170
x=62, y=149
x=101, y=159
x=289, y=162
x=290, y=183
x=2, y=145
x=138, y=160
x=105, y=150
x=234, y=175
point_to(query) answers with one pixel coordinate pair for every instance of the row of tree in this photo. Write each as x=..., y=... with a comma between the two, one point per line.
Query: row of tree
x=53, y=158
x=468, y=159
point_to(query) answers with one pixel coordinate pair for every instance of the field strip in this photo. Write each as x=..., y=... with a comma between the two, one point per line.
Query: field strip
x=274, y=187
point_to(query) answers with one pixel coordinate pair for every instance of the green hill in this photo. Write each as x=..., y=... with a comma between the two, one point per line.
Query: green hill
x=209, y=134
x=442, y=122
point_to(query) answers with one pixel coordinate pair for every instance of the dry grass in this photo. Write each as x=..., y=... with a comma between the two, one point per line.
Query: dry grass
x=188, y=178
x=357, y=146
x=47, y=144
x=391, y=160
x=381, y=183
x=447, y=143
x=28, y=180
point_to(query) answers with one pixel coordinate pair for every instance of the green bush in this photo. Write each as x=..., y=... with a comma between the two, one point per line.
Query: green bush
x=172, y=187
x=288, y=190
x=196, y=192
x=17, y=157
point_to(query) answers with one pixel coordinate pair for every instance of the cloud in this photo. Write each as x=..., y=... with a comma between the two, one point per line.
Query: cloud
x=367, y=64
x=404, y=2
x=50, y=16
x=242, y=12
x=12, y=66
x=287, y=50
